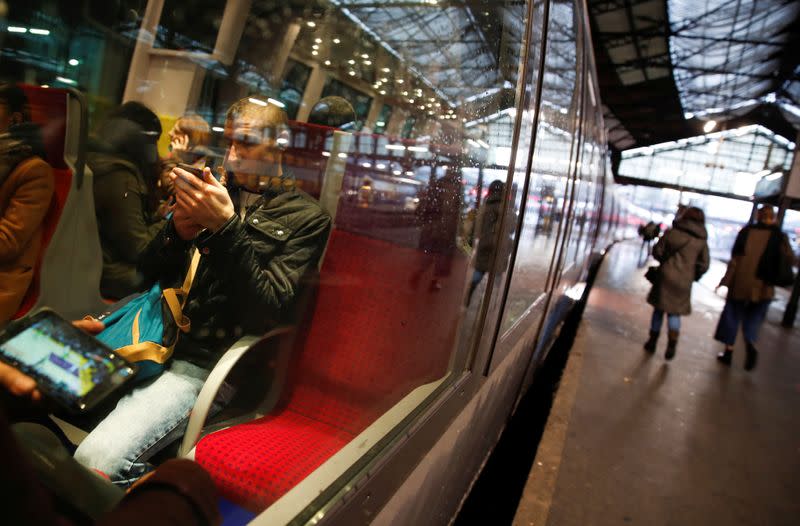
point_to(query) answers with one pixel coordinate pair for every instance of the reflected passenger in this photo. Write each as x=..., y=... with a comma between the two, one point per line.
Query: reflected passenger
x=258, y=240
x=26, y=190
x=749, y=277
x=124, y=160
x=188, y=143
x=438, y=214
x=486, y=228
x=683, y=256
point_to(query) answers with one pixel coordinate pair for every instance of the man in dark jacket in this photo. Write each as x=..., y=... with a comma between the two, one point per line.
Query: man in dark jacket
x=258, y=239
x=750, y=280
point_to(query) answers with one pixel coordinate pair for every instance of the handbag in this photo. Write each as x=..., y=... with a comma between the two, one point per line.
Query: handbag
x=145, y=330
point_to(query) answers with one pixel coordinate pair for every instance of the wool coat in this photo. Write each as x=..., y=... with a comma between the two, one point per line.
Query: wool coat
x=25, y=197
x=683, y=254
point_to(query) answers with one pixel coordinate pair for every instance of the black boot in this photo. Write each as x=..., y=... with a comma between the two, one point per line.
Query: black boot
x=725, y=356
x=650, y=344
x=672, y=342
x=752, y=357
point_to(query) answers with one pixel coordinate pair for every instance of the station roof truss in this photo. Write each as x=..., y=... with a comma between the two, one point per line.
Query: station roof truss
x=667, y=67
x=460, y=48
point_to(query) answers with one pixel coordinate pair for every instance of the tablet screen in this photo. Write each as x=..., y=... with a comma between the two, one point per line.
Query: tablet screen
x=62, y=355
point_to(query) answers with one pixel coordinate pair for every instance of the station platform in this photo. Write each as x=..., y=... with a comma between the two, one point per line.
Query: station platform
x=633, y=439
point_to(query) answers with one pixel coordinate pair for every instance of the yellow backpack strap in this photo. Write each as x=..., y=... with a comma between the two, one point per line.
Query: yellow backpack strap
x=145, y=351
x=187, y=282
x=138, y=351
x=176, y=298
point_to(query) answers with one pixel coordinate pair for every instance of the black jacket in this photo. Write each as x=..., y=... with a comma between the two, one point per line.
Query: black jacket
x=125, y=220
x=250, y=271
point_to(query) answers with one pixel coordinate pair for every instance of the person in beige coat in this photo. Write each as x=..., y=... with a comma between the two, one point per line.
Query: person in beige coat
x=26, y=189
x=747, y=279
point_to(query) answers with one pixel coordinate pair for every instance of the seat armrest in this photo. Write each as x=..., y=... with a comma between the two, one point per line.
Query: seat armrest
x=216, y=378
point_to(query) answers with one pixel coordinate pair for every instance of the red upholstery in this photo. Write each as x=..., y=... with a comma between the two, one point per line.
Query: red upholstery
x=373, y=338
x=49, y=110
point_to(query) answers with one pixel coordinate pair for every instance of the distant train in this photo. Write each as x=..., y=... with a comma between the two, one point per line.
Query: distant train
x=383, y=402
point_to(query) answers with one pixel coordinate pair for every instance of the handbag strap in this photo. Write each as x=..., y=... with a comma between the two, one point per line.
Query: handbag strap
x=676, y=251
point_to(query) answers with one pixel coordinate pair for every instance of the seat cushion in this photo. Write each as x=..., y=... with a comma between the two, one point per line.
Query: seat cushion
x=255, y=463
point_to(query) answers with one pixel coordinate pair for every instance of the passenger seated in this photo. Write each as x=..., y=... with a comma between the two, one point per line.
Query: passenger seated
x=124, y=160
x=188, y=144
x=257, y=239
x=26, y=190
x=180, y=492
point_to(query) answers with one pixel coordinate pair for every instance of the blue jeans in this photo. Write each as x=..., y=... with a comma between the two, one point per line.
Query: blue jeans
x=750, y=314
x=673, y=321
x=144, y=421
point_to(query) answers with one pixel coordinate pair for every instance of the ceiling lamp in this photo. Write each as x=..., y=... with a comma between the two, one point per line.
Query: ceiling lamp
x=710, y=125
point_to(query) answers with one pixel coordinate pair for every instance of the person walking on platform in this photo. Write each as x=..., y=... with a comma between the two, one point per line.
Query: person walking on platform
x=757, y=251
x=683, y=256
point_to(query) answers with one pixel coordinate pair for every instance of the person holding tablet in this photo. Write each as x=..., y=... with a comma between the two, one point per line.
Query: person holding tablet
x=179, y=492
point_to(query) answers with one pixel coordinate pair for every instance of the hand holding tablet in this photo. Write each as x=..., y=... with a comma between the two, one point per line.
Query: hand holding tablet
x=69, y=367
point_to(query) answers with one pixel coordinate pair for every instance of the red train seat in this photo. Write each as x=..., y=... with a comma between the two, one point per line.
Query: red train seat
x=49, y=110
x=373, y=338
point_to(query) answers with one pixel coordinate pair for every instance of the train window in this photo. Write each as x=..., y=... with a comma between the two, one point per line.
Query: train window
x=376, y=244
x=294, y=83
x=550, y=186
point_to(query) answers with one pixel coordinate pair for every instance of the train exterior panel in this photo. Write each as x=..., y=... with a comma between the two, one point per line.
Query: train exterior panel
x=459, y=148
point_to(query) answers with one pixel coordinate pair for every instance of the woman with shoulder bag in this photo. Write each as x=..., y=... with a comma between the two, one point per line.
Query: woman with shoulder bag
x=683, y=256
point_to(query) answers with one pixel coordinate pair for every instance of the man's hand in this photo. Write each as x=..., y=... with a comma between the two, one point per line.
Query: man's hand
x=184, y=225
x=18, y=383
x=205, y=203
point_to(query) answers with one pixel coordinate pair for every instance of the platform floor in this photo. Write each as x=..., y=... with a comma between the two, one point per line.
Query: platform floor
x=632, y=439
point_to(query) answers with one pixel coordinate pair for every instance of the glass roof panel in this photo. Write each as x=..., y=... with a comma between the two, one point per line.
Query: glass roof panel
x=725, y=53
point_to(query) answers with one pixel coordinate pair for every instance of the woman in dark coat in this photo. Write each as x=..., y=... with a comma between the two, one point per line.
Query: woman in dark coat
x=683, y=254
x=123, y=158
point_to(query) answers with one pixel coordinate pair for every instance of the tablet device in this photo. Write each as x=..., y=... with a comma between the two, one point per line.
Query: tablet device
x=72, y=368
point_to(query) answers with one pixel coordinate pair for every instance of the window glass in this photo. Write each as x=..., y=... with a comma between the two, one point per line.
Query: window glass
x=294, y=83
x=550, y=184
x=378, y=225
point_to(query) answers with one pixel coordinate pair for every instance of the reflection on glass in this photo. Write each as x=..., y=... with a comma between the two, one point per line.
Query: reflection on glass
x=415, y=180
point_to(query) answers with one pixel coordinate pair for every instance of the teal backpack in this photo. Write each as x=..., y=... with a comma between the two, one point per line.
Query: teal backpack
x=145, y=330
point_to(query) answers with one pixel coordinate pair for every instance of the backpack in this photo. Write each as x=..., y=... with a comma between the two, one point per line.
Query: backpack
x=145, y=330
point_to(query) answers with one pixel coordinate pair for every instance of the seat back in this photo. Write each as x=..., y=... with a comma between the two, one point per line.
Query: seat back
x=67, y=275
x=373, y=336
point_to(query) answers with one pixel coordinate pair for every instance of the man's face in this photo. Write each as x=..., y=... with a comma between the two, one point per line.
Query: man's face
x=253, y=155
